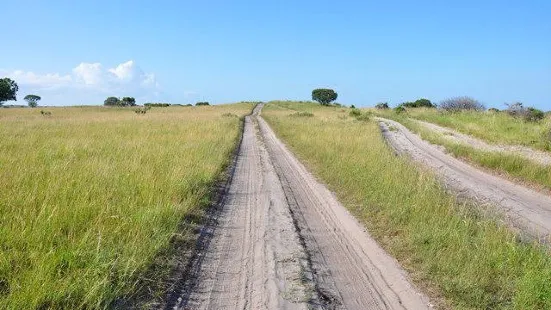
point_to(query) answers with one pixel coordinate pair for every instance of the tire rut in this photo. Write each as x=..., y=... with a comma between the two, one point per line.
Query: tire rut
x=282, y=241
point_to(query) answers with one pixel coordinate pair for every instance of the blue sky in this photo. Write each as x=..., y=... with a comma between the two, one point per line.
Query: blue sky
x=79, y=52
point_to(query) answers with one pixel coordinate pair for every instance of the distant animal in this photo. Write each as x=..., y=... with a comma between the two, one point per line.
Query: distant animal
x=45, y=113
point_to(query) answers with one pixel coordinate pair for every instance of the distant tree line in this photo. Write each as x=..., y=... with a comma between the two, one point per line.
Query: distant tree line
x=122, y=102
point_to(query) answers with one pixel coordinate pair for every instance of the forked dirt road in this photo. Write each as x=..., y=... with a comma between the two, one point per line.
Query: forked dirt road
x=524, y=209
x=283, y=241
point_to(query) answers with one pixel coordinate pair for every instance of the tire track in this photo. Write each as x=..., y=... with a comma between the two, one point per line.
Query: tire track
x=284, y=242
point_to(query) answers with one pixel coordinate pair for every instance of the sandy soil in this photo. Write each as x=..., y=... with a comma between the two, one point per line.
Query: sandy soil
x=540, y=157
x=523, y=209
x=283, y=241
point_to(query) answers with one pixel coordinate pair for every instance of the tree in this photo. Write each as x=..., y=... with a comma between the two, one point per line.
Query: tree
x=461, y=103
x=111, y=101
x=324, y=95
x=32, y=100
x=128, y=102
x=202, y=103
x=8, y=90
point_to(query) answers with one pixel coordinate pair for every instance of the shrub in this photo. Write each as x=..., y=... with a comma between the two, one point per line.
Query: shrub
x=461, y=103
x=352, y=106
x=493, y=110
x=529, y=114
x=399, y=109
x=382, y=106
x=201, y=103
x=157, y=105
x=419, y=103
x=355, y=112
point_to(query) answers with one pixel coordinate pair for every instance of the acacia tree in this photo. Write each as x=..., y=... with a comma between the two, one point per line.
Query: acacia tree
x=111, y=101
x=324, y=95
x=128, y=102
x=32, y=100
x=8, y=90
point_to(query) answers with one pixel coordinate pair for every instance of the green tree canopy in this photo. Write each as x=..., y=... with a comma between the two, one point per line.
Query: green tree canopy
x=8, y=90
x=324, y=95
x=419, y=103
x=111, y=101
x=32, y=100
x=128, y=102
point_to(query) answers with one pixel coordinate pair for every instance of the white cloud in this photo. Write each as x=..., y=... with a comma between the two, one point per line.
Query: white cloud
x=89, y=74
x=88, y=82
x=49, y=80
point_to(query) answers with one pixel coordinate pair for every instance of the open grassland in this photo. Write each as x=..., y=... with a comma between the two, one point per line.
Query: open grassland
x=514, y=166
x=89, y=196
x=463, y=259
x=494, y=127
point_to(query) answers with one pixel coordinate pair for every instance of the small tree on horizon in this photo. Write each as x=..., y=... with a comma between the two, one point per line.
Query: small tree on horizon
x=111, y=101
x=324, y=95
x=128, y=102
x=32, y=100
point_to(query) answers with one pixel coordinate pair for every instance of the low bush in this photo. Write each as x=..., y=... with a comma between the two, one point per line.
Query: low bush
x=493, y=110
x=355, y=112
x=461, y=104
x=399, y=109
x=382, y=106
x=156, y=105
x=419, y=103
x=201, y=103
x=529, y=114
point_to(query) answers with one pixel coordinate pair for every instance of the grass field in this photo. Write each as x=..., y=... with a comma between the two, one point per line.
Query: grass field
x=89, y=196
x=490, y=126
x=516, y=167
x=462, y=259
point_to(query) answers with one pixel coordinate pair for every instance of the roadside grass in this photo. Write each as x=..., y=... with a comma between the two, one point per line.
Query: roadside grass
x=460, y=257
x=514, y=166
x=490, y=126
x=90, y=195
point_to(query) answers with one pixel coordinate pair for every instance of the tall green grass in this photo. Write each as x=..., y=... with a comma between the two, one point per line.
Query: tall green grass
x=491, y=126
x=462, y=259
x=89, y=196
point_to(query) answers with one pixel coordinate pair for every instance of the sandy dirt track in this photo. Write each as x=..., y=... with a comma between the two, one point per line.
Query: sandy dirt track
x=537, y=156
x=283, y=241
x=524, y=209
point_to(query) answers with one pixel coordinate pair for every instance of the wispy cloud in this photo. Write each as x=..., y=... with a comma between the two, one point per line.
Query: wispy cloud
x=88, y=82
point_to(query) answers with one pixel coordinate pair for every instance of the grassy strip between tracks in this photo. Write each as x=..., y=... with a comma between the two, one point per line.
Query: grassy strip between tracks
x=517, y=167
x=90, y=196
x=462, y=259
x=494, y=127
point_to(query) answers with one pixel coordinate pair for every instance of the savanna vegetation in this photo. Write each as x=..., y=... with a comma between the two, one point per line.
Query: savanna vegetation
x=507, y=127
x=90, y=196
x=463, y=259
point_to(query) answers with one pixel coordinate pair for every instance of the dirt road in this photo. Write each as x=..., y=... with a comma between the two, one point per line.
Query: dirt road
x=537, y=156
x=525, y=210
x=283, y=241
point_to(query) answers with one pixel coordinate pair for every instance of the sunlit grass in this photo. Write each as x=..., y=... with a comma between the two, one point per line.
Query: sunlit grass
x=463, y=259
x=90, y=195
x=515, y=166
x=490, y=126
